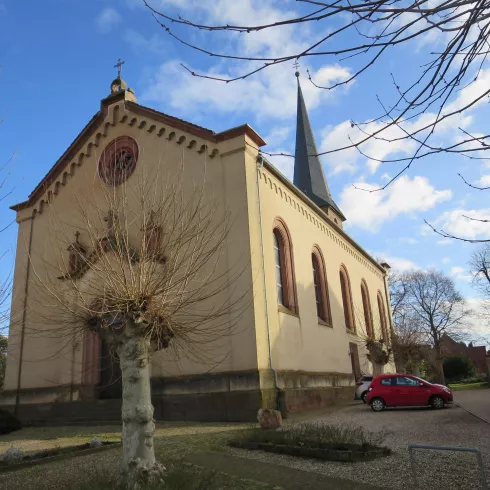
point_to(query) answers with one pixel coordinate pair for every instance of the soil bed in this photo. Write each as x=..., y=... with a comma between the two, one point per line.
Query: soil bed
x=347, y=453
x=54, y=454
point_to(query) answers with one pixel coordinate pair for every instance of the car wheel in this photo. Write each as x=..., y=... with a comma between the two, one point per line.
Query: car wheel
x=437, y=402
x=364, y=396
x=378, y=405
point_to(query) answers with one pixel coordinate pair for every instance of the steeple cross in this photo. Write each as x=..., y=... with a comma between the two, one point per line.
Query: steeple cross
x=119, y=65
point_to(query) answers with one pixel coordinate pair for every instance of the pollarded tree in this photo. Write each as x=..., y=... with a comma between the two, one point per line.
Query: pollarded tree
x=146, y=272
x=374, y=334
x=438, y=307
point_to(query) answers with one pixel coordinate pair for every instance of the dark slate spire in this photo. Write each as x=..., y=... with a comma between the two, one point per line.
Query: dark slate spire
x=308, y=172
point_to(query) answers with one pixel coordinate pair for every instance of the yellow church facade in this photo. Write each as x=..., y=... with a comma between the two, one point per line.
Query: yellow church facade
x=313, y=294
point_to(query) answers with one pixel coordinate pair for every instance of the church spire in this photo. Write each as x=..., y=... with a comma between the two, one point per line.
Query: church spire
x=308, y=172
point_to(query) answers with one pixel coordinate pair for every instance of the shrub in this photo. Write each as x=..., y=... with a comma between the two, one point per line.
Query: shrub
x=8, y=422
x=458, y=367
x=317, y=435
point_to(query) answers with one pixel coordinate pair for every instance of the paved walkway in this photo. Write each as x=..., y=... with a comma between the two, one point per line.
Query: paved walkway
x=476, y=402
x=281, y=476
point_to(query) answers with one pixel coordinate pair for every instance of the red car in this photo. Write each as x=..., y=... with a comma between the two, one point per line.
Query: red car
x=404, y=390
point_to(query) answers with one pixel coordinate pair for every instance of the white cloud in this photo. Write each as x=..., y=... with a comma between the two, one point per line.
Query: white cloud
x=445, y=260
x=444, y=242
x=269, y=94
x=456, y=223
x=478, y=323
x=460, y=273
x=391, y=142
x=484, y=181
x=369, y=210
x=108, y=19
x=398, y=263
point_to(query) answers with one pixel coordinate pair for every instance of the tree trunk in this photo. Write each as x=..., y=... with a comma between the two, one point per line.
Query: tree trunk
x=439, y=364
x=139, y=463
x=378, y=369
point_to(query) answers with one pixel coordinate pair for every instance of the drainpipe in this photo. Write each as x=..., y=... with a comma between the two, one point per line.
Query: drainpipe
x=260, y=164
x=24, y=314
x=388, y=304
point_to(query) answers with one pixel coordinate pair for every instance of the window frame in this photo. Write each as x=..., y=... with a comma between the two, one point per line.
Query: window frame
x=346, y=292
x=382, y=318
x=366, y=308
x=324, y=311
x=281, y=233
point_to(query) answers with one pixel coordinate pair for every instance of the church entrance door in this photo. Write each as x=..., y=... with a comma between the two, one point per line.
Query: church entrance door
x=354, y=359
x=110, y=374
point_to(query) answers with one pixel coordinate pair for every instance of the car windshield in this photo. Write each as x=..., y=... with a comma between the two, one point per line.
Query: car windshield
x=423, y=380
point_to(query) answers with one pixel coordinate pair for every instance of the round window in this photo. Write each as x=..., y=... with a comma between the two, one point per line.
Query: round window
x=118, y=160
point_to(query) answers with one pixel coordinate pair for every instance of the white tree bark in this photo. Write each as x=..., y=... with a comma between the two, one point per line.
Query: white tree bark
x=137, y=410
x=378, y=369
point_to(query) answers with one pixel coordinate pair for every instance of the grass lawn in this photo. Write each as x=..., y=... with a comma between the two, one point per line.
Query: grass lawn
x=468, y=386
x=173, y=441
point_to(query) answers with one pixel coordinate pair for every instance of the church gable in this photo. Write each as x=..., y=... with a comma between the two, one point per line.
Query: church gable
x=119, y=110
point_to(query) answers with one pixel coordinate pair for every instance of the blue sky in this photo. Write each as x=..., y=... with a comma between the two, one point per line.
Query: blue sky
x=57, y=60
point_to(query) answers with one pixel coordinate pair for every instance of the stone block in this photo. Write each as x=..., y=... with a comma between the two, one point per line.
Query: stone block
x=269, y=419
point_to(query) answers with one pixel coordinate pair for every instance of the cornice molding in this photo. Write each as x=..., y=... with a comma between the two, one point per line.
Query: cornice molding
x=134, y=115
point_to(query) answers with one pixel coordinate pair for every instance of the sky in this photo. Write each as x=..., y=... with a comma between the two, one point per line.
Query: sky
x=57, y=59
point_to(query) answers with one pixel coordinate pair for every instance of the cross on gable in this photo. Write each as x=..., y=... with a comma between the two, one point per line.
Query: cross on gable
x=119, y=65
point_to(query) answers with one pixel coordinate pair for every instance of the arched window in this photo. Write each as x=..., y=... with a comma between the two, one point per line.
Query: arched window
x=347, y=299
x=283, y=256
x=321, y=286
x=366, y=307
x=382, y=318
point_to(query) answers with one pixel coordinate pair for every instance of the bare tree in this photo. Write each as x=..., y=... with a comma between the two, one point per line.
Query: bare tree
x=407, y=339
x=146, y=272
x=437, y=308
x=366, y=32
x=480, y=270
x=363, y=34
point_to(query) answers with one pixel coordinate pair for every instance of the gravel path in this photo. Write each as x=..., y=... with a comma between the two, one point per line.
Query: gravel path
x=449, y=470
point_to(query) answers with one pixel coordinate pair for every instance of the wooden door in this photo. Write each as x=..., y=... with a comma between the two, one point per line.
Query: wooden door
x=110, y=373
x=354, y=358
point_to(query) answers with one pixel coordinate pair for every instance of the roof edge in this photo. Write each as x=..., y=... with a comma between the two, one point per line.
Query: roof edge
x=319, y=211
x=98, y=118
x=244, y=129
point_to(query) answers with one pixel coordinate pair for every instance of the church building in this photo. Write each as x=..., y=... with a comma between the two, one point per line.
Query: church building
x=314, y=294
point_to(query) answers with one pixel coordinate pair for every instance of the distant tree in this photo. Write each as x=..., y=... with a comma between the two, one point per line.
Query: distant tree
x=480, y=270
x=458, y=367
x=438, y=308
x=407, y=339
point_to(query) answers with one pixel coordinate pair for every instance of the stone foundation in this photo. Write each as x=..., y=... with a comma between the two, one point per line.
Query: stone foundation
x=221, y=397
